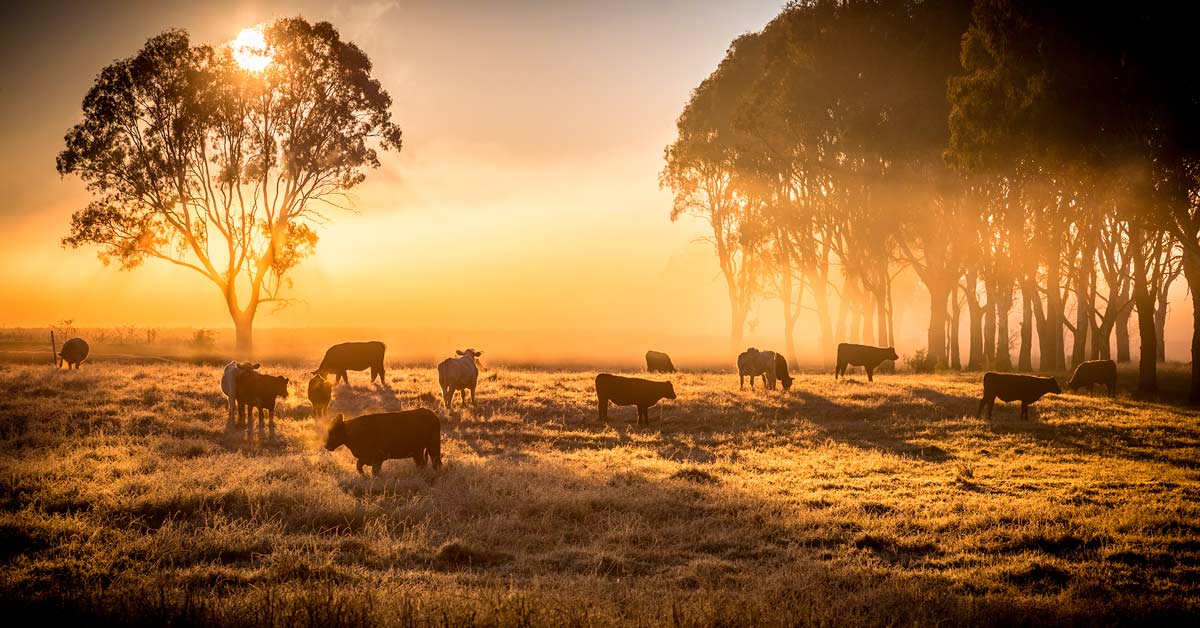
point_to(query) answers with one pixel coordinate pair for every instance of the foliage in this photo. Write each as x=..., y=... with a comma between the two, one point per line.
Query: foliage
x=193, y=160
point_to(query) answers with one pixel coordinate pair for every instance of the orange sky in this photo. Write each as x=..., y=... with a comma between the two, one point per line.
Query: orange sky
x=526, y=196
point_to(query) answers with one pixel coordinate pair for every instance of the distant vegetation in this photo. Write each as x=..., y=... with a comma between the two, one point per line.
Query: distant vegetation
x=1017, y=156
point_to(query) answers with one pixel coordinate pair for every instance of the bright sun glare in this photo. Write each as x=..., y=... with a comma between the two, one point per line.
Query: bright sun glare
x=250, y=49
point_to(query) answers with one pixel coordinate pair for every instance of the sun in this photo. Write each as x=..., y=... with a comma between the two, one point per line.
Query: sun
x=250, y=49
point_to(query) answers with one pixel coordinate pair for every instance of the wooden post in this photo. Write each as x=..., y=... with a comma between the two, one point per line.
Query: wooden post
x=54, y=348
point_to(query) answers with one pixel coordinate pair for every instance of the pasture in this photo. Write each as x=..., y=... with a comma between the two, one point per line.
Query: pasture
x=125, y=500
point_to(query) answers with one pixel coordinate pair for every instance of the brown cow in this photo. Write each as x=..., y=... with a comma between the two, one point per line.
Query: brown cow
x=631, y=391
x=1095, y=372
x=373, y=438
x=1012, y=387
x=320, y=393
x=864, y=356
x=255, y=390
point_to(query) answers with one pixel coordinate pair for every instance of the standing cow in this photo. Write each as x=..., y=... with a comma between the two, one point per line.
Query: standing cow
x=353, y=356
x=752, y=363
x=630, y=391
x=229, y=383
x=862, y=355
x=74, y=352
x=1092, y=372
x=373, y=438
x=1012, y=387
x=256, y=391
x=320, y=393
x=659, y=362
x=459, y=374
x=781, y=372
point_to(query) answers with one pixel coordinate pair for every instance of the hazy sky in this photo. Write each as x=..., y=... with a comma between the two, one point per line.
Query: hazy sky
x=526, y=194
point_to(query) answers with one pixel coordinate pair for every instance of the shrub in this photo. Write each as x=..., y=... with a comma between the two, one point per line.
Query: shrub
x=921, y=362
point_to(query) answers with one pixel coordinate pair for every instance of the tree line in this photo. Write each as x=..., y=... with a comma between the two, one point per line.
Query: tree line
x=1029, y=162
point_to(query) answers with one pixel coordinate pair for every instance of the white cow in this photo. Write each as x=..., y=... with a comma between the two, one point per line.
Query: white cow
x=459, y=374
x=229, y=383
x=752, y=363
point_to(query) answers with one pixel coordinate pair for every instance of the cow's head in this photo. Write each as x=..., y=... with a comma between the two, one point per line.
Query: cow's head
x=1052, y=386
x=670, y=391
x=471, y=352
x=891, y=353
x=279, y=386
x=336, y=437
x=248, y=366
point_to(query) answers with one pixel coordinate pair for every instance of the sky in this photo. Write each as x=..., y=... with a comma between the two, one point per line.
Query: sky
x=526, y=196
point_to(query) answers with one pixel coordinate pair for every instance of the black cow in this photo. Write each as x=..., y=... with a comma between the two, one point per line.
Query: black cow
x=862, y=355
x=1095, y=372
x=1012, y=387
x=630, y=391
x=353, y=356
x=255, y=390
x=74, y=352
x=659, y=362
x=373, y=438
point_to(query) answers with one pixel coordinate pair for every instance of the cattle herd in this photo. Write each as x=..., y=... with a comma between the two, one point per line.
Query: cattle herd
x=416, y=434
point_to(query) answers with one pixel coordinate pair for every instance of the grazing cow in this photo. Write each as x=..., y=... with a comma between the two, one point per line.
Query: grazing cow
x=255, y=390
x=659, y=362
x=631, y=391
x=320, y=393
x=862, y=355
x=752, y=363
x=1095, y=372
x=353, y=356
x=74, y=352
x=373, y=438
x=781, y=372
x=459, y=374
x=1012, y=387
x=229, y=383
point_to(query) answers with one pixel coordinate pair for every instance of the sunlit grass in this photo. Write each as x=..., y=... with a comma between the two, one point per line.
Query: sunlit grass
x=846, y=503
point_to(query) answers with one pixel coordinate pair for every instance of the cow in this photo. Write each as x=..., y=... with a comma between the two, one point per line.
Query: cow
x=781, y=372
x=459, y=374
x=630, y=391
x=373, y=438
x=1095, y=372
x=1012, y=387
x=229, y=383
x=862, y=355
x=353, y=356
x=752, y=363
x=659, y=362
x=74, y=352
x=256, y=390
x=320, y=393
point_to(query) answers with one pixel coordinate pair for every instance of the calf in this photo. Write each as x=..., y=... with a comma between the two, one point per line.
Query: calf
x=1012, y=387
x=862, y=355
x=631, y=391
x=1095, y=372
x=752, y=363
x=373, y=438
x=353, y=356
x=320, y=393
x=659, y=362
x=74, y=352
x=459, y=374
x=255, y=390
x=229, y=383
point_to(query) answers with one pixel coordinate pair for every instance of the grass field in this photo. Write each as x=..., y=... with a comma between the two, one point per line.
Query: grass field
x=124, y=500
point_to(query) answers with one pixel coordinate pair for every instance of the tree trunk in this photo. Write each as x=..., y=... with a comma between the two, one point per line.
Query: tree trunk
x=989, y=324
x=1191, y=271
x=244, y=333
x=737, y=328
x=1143, y=300
x=1083, y=311
x=938, y=296
x=1003, y=360
x=821, y=298
x=1122, y=327
x=975, y=322
x=1025, y=359
x=955, y=319
x=868, y=320
x=1160, y=327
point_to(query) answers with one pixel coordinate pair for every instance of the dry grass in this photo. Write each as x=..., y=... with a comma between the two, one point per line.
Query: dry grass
x=123, y=499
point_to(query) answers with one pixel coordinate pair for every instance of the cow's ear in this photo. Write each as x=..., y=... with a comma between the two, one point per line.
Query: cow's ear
x=478, y=353
x=459, y=352
x=337, y=420
x=256, y=365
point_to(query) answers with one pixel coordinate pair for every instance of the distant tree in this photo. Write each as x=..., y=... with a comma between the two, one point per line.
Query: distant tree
x=195, y=160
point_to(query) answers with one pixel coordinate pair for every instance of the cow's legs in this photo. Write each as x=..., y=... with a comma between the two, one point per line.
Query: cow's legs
x=643, y=415
x=603, y=407
x=741, y=382
x=982, y=402
x=1024, y=411
x=420, y=458
x=376, y=468
x=359, y=466
x=870, y=373
x=472, y=396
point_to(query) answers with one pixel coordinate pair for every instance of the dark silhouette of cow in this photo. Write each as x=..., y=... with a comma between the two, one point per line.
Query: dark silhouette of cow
x=73, y=353
x=864, y=356
x=353, y=356
x=373, y=438
x=1092, y=372
x=752, y=363
x=630, y=391
x=258, y=391
x=659, y=362
x=781, y=372
x=1012, y=387
x=320, y=393
x=229, y=383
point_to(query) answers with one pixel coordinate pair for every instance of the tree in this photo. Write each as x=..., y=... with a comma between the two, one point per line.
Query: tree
x=193, y=159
